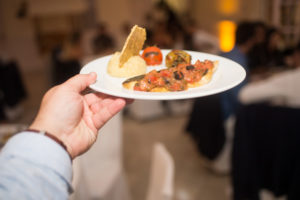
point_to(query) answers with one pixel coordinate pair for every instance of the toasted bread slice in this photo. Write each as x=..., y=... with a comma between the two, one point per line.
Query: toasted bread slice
x=130, y=83
x=206, y=78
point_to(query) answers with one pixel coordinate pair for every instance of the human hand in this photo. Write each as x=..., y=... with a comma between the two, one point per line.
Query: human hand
x=73, y=117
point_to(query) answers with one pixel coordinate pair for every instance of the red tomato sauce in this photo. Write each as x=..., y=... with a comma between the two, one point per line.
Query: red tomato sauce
x=174, y=78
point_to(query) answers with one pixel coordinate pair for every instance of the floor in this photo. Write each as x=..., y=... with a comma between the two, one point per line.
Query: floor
x=193, y=181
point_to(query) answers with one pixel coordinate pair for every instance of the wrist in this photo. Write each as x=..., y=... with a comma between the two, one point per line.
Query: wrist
x=50, y=136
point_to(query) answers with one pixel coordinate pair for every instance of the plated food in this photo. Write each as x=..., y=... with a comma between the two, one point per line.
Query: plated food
x=128, y=62
x=228, y=75
x=179, y=78
x=178, y=74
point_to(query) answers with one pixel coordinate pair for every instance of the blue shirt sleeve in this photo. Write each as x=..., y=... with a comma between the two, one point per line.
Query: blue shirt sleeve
x=33, y=166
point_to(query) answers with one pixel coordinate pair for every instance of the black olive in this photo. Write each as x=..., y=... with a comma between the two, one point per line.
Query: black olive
x=166, y=80
x=178, y=76
x=205, y=72
x=190, y=67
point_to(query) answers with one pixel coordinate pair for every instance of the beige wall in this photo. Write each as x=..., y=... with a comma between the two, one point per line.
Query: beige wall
x=113, y=13
x=116, y=12
x=20, y=34
x=18, y=38
x=208, y=15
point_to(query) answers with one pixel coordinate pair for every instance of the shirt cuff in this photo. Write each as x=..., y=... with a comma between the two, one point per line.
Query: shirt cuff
x=40, y=150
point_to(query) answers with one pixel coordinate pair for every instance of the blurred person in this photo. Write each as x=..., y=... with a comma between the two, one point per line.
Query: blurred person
x=161, y=36
x=266, y=143
x=179, y=40
x=66, y=59
x=125, y=30
x=39, y=166
x=97, y=42
x=273, y=48
x=230, y=103
x=245, y=41
x=103, y=42
x=12, y=87
x=55, y=62
x=215, y=140
x=168, y=16
x=260, y=31
x=199, y=40
x=166, y=25
x=280, y=89
x=72, y=49
x=292, y=60
x=256, y=54
x=149, y=25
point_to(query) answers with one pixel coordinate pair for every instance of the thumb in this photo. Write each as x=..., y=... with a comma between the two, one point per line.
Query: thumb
x=81, y=81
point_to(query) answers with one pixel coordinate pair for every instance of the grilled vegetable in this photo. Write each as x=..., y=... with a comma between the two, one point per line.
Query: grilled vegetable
x=176, y=57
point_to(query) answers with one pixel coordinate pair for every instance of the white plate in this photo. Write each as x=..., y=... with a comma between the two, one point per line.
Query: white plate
x=228, y=75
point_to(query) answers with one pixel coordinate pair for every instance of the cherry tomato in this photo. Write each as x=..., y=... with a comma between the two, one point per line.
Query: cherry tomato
x=152, y=55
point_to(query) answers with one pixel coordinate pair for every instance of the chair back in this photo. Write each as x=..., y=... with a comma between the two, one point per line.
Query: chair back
x=162, y=174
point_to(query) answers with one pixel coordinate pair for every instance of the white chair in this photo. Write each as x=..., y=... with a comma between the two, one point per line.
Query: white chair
x=79, y=182
x=161, y=182
x=99, y=174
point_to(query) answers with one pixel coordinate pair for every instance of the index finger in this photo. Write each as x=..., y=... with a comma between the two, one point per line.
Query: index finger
x=81, y=81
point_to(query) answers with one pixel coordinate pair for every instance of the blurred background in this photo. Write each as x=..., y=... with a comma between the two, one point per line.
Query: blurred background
x=44, y=42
